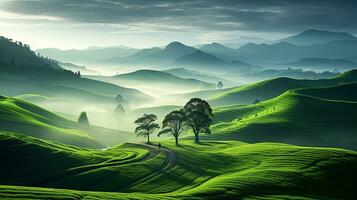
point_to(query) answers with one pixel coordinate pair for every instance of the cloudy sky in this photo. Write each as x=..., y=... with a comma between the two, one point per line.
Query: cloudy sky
x=145, y=23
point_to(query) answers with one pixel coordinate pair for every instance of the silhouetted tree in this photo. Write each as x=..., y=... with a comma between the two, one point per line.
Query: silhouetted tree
x=174, y=123
x=146, y=126
x=119, y=98
x=83, y=119
x=119, y=109
x=256, y=101
x=219, y=85
x=198, y=113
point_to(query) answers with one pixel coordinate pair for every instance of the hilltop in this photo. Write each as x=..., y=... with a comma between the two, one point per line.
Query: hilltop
x=312, y=117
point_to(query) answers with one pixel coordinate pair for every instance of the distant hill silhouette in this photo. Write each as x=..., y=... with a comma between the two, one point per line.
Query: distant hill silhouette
x=310, y=37
x=20, y=54
x=89, y=55
x=323, y=64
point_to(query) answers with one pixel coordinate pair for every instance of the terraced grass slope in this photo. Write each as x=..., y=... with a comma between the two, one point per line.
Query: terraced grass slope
x=314, y=117
x=212, y=170
x=19, y=116
x=275, y=87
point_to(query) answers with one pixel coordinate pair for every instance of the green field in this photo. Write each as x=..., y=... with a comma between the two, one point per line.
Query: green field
x=272, y=88
x=226, y=169
x=301, y=116
x=45, y=156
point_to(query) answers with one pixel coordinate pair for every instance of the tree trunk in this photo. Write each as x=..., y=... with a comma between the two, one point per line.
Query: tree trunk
x=148, y=139
x=197, y=140
x=176, y=141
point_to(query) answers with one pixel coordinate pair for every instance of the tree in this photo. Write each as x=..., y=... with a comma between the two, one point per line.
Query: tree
x=219, y=85
x=256, y=101
x=146, y=125
x=119, y=109
x=198, y=113
x=83, y=119
x=174, y=123
x=119, y=98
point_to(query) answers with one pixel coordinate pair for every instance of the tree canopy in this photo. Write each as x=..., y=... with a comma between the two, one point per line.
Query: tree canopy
x=146, y=126
x=198, y=113
x=83, y=119
x=174, y=123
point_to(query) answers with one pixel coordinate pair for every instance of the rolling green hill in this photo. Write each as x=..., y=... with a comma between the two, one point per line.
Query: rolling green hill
x=213, y=170
x=275, y=87
x=313, y=117
x=21, y=117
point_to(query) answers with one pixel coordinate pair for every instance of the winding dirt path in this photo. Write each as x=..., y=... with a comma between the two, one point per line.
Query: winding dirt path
x=170, y=162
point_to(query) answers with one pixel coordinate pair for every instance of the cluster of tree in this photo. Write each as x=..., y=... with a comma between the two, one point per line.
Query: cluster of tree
x=195, y=115
x=78, y=73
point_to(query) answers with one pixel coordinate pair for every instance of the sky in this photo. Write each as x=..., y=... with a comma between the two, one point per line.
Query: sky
x=79, y=24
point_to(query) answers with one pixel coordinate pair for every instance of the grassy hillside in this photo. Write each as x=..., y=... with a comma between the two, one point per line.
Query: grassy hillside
x=275, y=87
x=213, y=170
x=18, y=116
x=314, y=117
x=22, y=117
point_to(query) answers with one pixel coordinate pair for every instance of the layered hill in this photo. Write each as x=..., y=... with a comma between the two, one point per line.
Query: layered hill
x=322, y=64
x=156, y=82
x=274, y=87
x=21, y=117
x=28, y=73
x=312, y=36
x=313, y=117
x=89, y=55
x=210, y=78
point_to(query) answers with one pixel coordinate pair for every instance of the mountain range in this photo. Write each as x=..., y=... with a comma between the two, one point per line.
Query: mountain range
x=216, y=57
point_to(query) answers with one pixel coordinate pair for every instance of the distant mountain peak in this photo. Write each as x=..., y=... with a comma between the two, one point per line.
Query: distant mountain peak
x=313, y=36
x=175, y=44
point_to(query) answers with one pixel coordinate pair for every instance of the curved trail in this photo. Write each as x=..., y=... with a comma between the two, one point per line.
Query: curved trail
x=169, y=163
x=86, y=168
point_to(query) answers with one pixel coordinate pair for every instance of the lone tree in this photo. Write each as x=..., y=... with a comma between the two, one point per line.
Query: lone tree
x=119, y=98
x=198, y=113
x=256, y=101
x=83, y=119
x=146, y=125
x=120, y=109
x=174, y=123
x=219, y=85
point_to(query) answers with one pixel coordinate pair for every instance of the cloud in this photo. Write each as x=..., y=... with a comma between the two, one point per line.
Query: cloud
x=197, y=15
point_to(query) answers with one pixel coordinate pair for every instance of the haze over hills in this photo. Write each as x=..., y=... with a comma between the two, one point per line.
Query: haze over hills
x=89, y=55
x=213, y=56
x=219, y=50
x=287, y=52
x=211, y=78
x=158, y=56
x=311, y=37
x=156, y=82
x=322, y=64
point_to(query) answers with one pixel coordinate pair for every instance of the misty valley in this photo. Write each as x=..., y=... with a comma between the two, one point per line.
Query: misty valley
x=253, y=119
